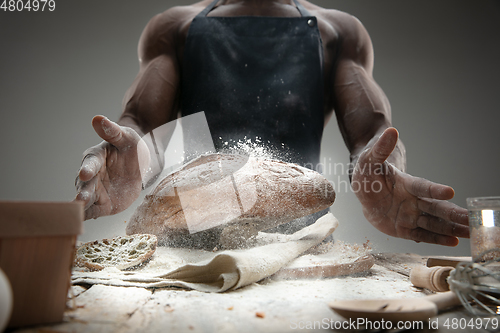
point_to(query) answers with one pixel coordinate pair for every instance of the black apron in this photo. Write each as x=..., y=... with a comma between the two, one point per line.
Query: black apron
x=260, y=79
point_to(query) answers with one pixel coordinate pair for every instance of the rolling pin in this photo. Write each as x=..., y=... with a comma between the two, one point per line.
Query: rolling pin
x=433, y=278
x=446, y=261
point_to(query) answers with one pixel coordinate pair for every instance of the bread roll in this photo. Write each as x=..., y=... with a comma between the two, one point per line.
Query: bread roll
x=215, y=191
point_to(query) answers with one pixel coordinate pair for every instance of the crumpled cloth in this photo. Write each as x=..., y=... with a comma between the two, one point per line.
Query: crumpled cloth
x=215, y=271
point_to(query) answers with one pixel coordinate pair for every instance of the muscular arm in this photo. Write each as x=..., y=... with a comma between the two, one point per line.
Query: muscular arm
x=362, y=109
x=393, y=201
x=152, y=99
x=112, y=173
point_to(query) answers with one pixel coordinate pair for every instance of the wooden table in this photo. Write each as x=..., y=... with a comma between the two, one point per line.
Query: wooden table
x=267, y=306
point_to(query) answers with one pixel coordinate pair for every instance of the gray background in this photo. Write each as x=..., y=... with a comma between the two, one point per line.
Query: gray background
x=436, y=60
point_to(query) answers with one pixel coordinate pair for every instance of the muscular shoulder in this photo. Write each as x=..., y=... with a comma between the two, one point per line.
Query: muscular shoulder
x=165, y=31
x=345, y=31
x=345, y=24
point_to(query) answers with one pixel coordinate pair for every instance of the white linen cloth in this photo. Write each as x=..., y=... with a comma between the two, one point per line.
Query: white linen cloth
x=215, y=271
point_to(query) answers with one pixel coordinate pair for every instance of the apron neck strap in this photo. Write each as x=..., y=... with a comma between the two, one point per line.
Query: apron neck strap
x=303, y=12
x=205, y=11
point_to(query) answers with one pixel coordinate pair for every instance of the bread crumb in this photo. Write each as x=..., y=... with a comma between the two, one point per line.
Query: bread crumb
x=168, y=308
x=230, y=308
x=260, y=314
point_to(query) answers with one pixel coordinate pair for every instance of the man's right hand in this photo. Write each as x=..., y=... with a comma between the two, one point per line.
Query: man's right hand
x=110, y=177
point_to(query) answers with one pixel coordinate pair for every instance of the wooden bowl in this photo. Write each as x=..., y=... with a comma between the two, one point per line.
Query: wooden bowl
x=37, y=244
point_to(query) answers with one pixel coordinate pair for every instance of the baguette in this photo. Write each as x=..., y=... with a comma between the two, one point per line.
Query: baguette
x=122, y=252
x=216, y=191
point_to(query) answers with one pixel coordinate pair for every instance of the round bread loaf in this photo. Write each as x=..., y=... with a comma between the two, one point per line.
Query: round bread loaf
x=122, y=252
x=216, y=191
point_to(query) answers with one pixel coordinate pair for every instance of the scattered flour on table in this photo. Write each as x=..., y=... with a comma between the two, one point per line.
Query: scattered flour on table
x=337, y=251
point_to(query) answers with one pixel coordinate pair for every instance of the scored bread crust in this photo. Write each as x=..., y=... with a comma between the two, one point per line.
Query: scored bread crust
x=122, y=252
x=230, y=189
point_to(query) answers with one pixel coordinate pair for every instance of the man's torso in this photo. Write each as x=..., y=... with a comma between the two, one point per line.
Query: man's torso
x=328, y=27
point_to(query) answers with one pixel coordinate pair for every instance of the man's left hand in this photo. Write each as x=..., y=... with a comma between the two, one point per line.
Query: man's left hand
x=404, y=206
